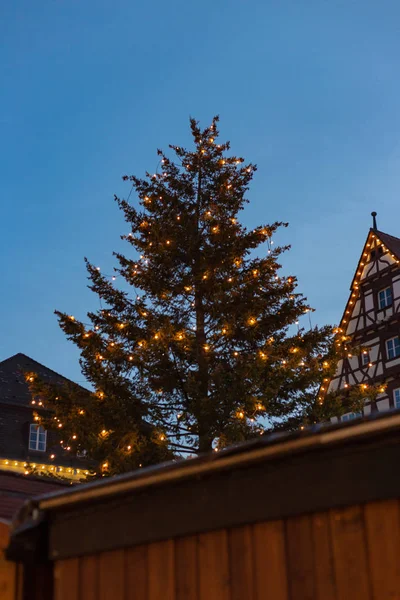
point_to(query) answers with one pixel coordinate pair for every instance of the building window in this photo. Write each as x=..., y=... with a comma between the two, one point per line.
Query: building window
x=351, y=416
x=393, y=347
x=396, y=398
x=365, y=358
x=385, y=298
x=37, y=438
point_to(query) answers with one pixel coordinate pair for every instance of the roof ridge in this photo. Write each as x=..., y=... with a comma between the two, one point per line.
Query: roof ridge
x=25, y=356
x=393, y=237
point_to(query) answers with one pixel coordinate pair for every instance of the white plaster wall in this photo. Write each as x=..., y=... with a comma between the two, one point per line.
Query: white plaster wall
x=369, y=302
x=383, y=405
x=396, y=288
x=333, y=386
x=356, y=309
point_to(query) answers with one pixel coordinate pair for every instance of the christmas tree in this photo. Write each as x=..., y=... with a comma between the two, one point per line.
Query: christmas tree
x=203, y=346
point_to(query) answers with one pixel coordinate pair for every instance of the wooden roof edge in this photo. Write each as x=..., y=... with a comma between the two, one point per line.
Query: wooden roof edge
x=268, y=447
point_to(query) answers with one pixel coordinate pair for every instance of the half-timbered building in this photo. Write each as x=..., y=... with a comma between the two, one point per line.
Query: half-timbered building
x=371, y=320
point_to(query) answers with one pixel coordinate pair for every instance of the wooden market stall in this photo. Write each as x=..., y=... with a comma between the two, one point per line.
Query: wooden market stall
x=311, y=515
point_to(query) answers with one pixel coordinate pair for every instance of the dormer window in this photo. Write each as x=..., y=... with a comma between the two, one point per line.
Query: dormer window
x=385, y=298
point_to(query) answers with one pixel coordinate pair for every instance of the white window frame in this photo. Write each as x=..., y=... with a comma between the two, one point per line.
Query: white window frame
x=385, y=303
x=396, y=401
x=396, y=337
x=34, y=428
x=365, y=359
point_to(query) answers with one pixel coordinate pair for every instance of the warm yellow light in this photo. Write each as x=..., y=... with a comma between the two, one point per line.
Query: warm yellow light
x=131, y=358
x=52, y=456
x=162, y=437
x=129, y=447
x=156, y=336
x=81, y=412
x=74, y=437
x=206, y=347
x=236, y=354
x=252, y=321
x=240, y=414
x=105, y=465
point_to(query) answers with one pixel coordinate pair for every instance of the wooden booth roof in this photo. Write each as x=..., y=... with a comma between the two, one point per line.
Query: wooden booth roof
x=275, y=476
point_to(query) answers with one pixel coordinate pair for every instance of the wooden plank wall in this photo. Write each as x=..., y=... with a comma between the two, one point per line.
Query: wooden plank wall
x=10, y=573
x=343, y=554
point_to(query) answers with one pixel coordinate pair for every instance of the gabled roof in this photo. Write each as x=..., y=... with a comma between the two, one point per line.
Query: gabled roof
x=393, y=246
x=391, y=242
x=13, y=387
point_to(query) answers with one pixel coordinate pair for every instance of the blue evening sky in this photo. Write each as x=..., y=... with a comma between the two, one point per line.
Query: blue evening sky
x=307, y=89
